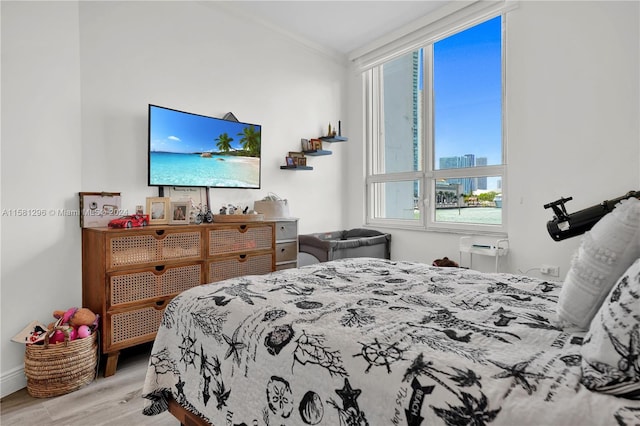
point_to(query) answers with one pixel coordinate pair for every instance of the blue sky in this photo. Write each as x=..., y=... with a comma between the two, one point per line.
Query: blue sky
x=467, y=89
x=180, y=132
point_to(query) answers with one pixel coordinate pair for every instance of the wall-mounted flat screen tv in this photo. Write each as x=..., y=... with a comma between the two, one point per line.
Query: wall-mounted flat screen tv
x=187, y=149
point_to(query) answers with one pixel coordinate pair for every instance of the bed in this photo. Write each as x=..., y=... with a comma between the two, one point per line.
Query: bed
x=371, y=341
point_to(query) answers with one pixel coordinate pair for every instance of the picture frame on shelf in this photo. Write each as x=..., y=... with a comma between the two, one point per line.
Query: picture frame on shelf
x=315, y=144
x=180, y=212
x=304, y=144
x=290, y=161
x=158, y=210
x=296, y=157
x=301, y=161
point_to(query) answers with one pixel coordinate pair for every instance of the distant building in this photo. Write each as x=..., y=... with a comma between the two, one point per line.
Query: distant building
x=468, y=185
x=481, y=181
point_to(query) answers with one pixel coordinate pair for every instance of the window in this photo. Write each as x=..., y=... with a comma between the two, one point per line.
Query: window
x=434, y=134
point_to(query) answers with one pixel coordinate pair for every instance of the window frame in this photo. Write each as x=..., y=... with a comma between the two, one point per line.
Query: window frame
x=427, y=177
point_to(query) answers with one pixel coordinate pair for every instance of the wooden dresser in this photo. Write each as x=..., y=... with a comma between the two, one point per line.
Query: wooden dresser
x=130, y=275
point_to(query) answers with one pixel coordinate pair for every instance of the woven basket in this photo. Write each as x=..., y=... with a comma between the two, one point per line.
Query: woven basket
x=57, y=369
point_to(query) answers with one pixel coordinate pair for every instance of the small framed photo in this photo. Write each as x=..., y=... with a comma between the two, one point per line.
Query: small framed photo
x=316, y=144
x=180, y=212
x=158, y=210
x=301, y=161
x=296, y=157
x=290, y=162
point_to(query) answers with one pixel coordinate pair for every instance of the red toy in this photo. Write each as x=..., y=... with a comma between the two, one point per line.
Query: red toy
x=133, y=221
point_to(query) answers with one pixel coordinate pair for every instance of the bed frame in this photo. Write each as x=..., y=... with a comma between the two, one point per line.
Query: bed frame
x=184, y=416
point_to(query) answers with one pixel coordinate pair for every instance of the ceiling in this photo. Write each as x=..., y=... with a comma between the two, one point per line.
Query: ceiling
x=338, y=26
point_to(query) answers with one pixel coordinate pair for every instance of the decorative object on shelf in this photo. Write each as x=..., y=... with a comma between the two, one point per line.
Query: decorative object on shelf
x=332, y=136
x=316, y=144
x=296, y=155
x=304, y=144
x=158, y=210
x=180, y=212
x=97, y=209
x=295, y=160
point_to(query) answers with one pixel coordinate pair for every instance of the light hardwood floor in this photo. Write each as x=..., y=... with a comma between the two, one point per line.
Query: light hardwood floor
x=115, y=400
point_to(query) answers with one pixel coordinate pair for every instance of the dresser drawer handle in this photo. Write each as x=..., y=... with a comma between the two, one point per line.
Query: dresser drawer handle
x=160, y=268
x=160, y=303
x=243, y=228
x=160, y=232
x=242, y=256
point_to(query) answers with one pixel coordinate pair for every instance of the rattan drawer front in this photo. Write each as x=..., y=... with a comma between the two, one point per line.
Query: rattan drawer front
x=137, y=286
x=182, y=245
x=239, y=266
x=286, y=230
x=286, y=251
x=133, y=250
x=153, y=247
x=240, y=239
x=135, y=324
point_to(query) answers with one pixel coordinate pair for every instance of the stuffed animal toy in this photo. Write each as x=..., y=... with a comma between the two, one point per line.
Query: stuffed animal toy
x=76, y=317
x=77, y=323
x=445, y=262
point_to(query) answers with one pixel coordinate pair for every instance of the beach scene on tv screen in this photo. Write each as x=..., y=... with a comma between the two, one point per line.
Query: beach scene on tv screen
x=193, y=150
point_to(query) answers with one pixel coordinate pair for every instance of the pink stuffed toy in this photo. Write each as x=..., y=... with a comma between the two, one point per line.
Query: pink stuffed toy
x=78, y=324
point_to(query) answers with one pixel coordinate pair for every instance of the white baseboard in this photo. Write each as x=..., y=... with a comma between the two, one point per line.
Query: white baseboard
x=12, y=381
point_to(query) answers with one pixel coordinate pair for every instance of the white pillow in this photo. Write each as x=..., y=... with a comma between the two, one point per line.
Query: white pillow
x=605, y=253
x=610, y=349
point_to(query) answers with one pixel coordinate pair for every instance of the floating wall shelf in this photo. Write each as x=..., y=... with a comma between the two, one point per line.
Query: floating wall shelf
x=296, y=167
x=334, y=138
x=316, y=152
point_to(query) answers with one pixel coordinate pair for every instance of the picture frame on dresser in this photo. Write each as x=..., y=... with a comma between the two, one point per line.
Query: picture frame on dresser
x=180, y=212
x=97, y=209
x=158, y=210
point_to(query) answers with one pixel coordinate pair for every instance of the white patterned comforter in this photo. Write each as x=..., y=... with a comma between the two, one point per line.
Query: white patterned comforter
x=375, y=342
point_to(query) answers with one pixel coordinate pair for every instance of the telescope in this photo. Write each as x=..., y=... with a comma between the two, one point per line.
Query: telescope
x=566, y=225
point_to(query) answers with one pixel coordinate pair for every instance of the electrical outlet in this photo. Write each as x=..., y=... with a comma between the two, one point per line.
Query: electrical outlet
x=552, y=270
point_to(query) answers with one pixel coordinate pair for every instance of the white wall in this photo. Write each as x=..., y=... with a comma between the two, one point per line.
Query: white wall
x=74, y=113
x=41, y=169
x=572, y=111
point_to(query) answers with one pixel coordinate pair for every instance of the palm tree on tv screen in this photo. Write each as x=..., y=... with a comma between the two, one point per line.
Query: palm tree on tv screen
x=250, y=141
x=224, y=142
